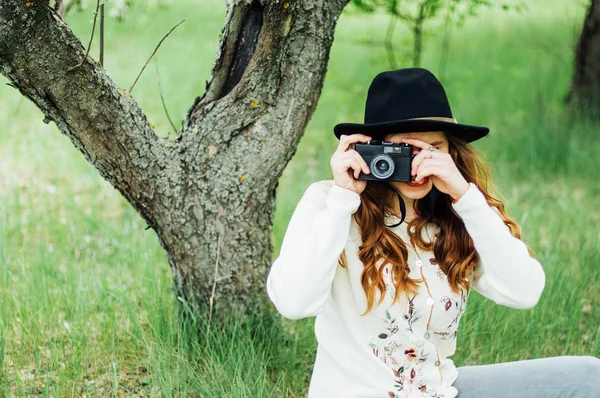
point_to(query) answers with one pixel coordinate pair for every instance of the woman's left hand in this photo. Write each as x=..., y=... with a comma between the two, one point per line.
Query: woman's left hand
x=440, y=167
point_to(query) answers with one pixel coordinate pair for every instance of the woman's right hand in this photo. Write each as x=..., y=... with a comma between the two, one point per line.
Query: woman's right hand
x=344, y=159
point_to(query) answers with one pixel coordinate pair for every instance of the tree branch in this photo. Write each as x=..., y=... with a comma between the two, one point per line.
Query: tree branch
x=236, y=14
x=282, y=79
x=246, y=44
x=162, y=98
x=106, y=125
x=89, y=46
x=154, y=52
x=102, y=34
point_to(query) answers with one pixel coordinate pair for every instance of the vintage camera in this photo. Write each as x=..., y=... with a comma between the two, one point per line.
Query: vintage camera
x=387, y=161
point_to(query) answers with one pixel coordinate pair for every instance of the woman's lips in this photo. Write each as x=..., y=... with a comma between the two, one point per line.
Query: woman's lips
x=414, y=184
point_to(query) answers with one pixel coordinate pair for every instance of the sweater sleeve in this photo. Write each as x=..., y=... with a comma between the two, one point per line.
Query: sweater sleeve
x=506, y=273
x=299, y=281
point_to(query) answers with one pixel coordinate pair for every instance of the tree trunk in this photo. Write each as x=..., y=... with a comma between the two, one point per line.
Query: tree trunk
x=585, y=86
x=210, y=193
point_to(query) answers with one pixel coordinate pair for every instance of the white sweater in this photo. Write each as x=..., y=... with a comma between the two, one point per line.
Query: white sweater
x=385, y=353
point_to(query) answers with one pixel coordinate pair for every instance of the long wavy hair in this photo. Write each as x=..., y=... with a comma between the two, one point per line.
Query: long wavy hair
x=452, y=246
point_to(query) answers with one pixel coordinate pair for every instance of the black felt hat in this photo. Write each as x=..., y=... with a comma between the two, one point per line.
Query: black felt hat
x=408, y=100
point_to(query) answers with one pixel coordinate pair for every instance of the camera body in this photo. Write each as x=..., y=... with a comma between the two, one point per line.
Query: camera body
x=387, y=161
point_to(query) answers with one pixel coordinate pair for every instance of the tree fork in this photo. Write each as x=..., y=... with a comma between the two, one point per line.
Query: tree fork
x=217, y=178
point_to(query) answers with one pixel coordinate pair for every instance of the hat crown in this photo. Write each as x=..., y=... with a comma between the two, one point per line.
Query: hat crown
x=408, y=100
x=405, y=94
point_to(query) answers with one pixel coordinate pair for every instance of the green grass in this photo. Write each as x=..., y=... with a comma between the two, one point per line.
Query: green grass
x=86, y=305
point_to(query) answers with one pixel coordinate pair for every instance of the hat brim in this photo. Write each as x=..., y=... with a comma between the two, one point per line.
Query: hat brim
x=379, y=130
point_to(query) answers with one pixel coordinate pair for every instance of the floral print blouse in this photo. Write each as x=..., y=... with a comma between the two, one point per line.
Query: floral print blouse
x=391, y=351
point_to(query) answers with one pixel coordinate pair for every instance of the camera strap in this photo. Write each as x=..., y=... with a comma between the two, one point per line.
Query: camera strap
x=431, y=198
x=400, y=202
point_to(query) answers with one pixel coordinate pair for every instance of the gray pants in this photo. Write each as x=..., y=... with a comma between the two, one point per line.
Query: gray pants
x=554, y=377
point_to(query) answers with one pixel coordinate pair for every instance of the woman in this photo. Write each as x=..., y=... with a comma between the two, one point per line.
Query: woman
x=387, y=266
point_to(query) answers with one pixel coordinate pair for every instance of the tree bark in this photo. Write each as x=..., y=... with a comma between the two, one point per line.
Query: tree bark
x=585, y=86
x=210, y=193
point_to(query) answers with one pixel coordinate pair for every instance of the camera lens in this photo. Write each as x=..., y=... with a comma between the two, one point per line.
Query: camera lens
x=382, y=166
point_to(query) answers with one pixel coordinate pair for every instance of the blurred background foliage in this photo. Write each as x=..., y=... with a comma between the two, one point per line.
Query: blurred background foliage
x=86, y=306
x=415, y=14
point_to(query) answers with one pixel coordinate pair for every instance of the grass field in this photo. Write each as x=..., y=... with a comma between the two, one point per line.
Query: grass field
x=86, y=306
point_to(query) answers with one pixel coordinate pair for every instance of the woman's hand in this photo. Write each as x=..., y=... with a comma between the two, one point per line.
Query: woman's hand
x=440, y=167
x=343, y=160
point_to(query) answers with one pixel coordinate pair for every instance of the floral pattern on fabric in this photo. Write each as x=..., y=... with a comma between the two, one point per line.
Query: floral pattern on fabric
x=406, y=365
x=400, y=344
x=460, y=305
x=405, y=362
x=390, y=344
x=439, y=271
x=412, y=315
